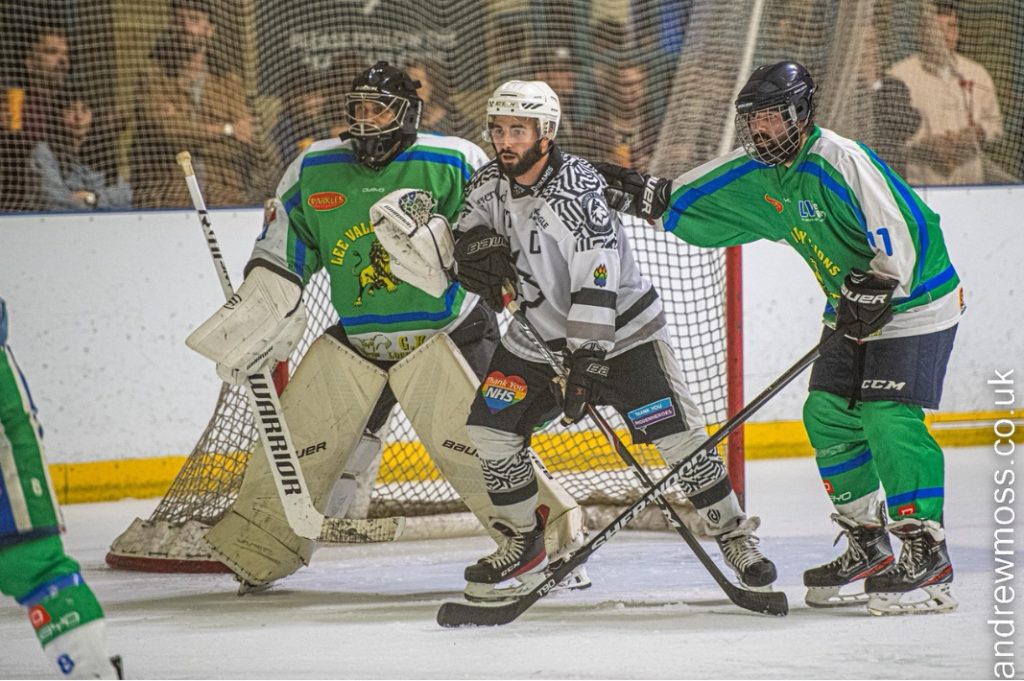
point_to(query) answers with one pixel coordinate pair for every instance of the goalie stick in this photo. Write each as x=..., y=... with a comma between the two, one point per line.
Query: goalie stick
x=455, y=614
x=771, y=603
x=303, y=518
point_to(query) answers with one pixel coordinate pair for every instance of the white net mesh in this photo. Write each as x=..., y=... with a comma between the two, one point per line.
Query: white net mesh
x=99, y=96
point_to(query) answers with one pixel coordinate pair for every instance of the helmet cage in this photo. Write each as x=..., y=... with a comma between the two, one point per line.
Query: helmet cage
x=780, y=149
x=363, y=126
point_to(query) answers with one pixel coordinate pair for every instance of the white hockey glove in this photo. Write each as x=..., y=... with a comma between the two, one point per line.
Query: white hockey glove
x=258, y=327
x=418, y=241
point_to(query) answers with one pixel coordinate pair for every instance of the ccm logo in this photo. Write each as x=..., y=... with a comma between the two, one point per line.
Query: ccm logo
x=881, y=384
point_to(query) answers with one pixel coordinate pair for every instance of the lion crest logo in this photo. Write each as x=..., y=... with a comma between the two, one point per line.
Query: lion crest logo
x=377, y=274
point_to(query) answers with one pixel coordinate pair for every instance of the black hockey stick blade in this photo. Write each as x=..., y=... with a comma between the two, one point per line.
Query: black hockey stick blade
x=457, y=614
x=765, y=602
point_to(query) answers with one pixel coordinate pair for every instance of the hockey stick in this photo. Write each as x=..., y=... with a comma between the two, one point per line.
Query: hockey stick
x=770, y=603
x=303, y=518
x=455, y=614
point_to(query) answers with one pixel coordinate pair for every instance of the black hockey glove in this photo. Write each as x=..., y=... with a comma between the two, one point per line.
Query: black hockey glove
x=484, y=264
x=865, y=304
x=587, y=375
x=634, y=193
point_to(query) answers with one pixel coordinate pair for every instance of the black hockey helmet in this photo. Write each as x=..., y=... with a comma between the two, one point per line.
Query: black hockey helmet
x=786, y=87
x=381, y=131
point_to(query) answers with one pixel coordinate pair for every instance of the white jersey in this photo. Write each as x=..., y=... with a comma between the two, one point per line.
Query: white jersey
x=579, y=284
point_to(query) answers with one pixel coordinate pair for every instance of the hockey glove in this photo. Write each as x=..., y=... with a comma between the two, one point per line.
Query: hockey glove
x=587, y=375
x=865, y=304
x=484, y=263
x=634, y=193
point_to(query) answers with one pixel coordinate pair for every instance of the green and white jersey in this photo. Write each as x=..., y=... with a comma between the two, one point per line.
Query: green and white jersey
x=321, y=219
x=840, y=207
x=28, y=507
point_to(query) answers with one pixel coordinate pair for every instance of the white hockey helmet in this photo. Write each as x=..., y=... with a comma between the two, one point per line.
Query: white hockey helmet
x=526, y=99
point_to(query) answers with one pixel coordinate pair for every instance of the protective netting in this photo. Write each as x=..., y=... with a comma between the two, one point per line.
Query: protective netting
x=99, y=96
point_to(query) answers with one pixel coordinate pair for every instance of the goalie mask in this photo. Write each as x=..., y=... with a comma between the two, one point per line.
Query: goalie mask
x=383, y=113
x=773, y=110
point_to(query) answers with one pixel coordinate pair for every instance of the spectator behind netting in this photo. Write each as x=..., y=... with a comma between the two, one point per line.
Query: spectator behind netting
x=188, y=98
x=304, y=114
x=77, y=168
x=28, y=115
x=627, y=121
x=438, y=113
x=557, y=67
x=957, y=102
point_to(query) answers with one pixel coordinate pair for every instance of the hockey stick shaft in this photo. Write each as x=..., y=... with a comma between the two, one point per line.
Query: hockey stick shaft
x=302, y=516
x=777, y=603
x=463, y=614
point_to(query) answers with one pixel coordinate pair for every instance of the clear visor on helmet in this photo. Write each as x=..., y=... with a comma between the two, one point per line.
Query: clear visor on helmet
x=770, y=135
x=371, y=114
x=519, y=132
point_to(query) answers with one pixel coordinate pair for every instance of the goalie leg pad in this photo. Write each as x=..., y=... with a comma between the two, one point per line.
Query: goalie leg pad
x=438, y=368
x=326, y=405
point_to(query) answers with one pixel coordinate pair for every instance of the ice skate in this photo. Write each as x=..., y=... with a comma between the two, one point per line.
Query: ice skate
x=515, y=567
x=923, y=566
x=868, y=553
x=739, y=548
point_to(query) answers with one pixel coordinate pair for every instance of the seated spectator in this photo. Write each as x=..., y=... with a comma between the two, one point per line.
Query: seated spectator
x=189, y=99
x=27, y=116
x=304, y=116
x=557, y=68
x=957, y=102
x=627, y=131
x=75, y=167
x=437, y=108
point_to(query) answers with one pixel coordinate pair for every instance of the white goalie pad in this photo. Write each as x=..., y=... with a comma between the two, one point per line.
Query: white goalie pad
x=438, y=368
x=326, y=405
x=260, y=325
x=418, y=241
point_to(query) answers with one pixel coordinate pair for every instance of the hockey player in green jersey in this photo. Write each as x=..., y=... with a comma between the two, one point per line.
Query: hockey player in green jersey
x=878, y=254
x=393, y=341
x=34, y=569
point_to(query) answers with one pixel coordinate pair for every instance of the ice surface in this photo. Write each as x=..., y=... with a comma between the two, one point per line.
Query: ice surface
x=368, y=611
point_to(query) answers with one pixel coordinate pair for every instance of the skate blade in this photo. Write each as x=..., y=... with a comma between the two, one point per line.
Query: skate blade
x=829, y=597
x=939, y=599
x=503, y=592
x=245, y=588
x=577, y=580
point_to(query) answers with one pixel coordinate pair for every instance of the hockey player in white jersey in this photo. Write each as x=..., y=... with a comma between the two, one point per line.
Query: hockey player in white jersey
x=394, y=342
x=536, y=218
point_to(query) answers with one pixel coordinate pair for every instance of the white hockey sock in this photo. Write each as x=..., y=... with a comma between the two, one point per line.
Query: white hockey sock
x=81, y=653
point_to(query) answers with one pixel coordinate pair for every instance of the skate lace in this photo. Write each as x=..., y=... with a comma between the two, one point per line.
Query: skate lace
x=854, y=553
x=740, y=545
x=914, y=556
x=508, y=551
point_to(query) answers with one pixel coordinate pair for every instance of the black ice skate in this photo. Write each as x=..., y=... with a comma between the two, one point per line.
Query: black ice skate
x=739, y=548
x=868, y=553
x=923, y=564
x=520, y=556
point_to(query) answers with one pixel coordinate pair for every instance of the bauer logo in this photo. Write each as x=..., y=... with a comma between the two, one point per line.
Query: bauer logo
x=501, y=391
x=322, y=201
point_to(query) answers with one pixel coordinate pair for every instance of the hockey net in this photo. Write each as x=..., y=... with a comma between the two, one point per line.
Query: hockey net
x=643, y=84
